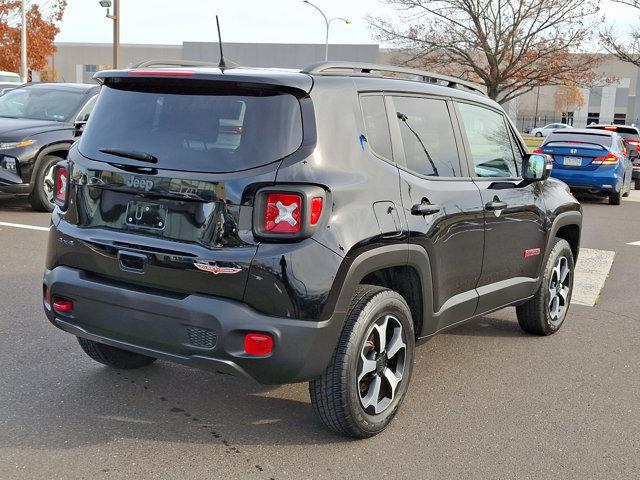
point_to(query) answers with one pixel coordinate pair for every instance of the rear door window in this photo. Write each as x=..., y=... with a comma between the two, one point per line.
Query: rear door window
x=208, y=129
x=489, y=141
x=376, y=125
x=427, y=136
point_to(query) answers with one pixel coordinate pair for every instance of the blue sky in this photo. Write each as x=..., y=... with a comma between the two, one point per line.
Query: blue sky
x=172, y=22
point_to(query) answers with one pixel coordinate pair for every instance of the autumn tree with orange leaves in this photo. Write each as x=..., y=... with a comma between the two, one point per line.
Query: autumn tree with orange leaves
x=509, y=46
x=42, y=27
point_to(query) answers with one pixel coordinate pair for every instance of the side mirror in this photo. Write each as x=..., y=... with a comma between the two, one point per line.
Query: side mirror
x=79, y=125
x=536, y=167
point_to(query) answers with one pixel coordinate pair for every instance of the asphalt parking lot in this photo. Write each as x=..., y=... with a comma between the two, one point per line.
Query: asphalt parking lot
x=486, y=400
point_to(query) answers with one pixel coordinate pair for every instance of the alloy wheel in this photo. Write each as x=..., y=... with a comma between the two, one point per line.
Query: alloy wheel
x=48, y=184
x=381, y=364
x=559, y=291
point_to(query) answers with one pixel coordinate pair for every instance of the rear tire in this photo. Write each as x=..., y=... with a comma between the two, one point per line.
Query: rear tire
x=41, y=197
x=538, y=134
x=637, y=184
x=114, y=357
x=615, y=198
x=375, y=349
x=545, y=313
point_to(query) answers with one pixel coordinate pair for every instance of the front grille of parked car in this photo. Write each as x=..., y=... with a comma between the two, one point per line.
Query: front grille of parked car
x=202, y=337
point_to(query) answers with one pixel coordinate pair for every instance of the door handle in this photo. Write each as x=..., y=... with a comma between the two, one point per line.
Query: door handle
x=495, y=205
x=424, y=208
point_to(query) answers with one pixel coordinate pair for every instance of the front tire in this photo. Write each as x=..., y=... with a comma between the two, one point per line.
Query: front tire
x=114, y=357
x=538, y=134
x=362, y=389
x=545, y=313
x=637, y=184
x=41, y=197
x=615, y=198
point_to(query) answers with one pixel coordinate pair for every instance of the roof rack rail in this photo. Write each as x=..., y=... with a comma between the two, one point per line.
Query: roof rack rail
x=174, y=63
x=367, y=69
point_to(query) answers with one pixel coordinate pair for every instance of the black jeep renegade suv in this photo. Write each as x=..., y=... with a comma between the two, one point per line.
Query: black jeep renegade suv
x=302, y=226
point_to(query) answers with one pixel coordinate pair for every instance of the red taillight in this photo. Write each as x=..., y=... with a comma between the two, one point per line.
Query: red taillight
x=635, y=143
x=258, y=344
x=60, y=185
x=62, y=305
x=163, y=73
x=610, y=159
x=316, y=210
x=537, y=150
x=283, y=213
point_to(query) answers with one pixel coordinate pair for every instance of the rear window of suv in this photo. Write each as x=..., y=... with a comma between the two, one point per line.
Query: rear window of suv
x=200, y=130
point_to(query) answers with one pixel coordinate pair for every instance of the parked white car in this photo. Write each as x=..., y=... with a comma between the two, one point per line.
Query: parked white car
x=547, y=129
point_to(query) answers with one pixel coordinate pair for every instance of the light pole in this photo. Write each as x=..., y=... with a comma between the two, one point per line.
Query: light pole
x=327, y=22
x=116, y=27
x=24, y=72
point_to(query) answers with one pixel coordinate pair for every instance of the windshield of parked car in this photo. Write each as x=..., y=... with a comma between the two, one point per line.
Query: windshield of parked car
x=201, y=129
x=40, y=104
x=9, y=79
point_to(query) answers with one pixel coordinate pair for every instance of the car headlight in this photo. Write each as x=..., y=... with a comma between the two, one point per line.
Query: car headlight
x=11, y=145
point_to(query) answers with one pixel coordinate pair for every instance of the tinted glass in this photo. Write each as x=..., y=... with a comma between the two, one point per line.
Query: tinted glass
x=427, y=136
x=40, y=104
x=9, y=79
x=489, y=141
x=375, y=121
x=200, y=130
x=594, y=138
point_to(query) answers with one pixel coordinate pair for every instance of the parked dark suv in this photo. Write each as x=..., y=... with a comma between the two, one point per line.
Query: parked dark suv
x=38, y=124
x=302, y=226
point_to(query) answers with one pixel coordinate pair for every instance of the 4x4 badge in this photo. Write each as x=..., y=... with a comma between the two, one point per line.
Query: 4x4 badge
x=215, y=269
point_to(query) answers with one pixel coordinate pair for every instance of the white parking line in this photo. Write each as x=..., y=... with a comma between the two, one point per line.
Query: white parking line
x=590, y=275
x=634, y=196
x=634, y=243
x=27, y=227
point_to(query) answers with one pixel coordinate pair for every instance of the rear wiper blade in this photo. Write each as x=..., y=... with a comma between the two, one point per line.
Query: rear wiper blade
x=133, y=155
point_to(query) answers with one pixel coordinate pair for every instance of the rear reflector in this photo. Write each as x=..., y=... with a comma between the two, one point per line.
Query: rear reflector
x=258, y=344
x=316, y=210
x=162, y=73
x=282, y=213
x=62, y=305
x=537, y=150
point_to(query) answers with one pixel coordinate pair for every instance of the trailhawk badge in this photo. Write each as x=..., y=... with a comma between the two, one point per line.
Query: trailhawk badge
x=215, y=269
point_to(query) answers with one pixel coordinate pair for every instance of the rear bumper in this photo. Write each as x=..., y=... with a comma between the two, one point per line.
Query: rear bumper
x=196, y=330
x=599, y=180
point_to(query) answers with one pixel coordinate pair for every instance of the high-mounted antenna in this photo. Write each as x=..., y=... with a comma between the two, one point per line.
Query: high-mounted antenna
x=222, y=65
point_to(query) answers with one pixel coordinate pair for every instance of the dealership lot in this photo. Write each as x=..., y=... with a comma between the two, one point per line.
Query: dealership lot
x=486, y=400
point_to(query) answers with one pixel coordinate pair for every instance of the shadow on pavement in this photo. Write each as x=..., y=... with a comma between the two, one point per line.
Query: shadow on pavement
x=488, y=327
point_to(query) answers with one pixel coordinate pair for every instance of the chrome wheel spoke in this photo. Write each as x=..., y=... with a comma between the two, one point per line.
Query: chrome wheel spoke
x=368, y=366
x=554, y=307
x=371, y=398
x=381, y=331
x=395, y=344
x=393, y=381
x=564, y=270
x=564, y=295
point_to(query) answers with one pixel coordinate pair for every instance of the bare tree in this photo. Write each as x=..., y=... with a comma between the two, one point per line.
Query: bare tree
x=625, y=47
x=509, y=46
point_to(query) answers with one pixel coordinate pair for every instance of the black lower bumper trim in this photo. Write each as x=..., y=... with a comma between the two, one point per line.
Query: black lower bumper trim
x=163, y=327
